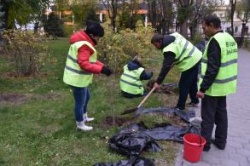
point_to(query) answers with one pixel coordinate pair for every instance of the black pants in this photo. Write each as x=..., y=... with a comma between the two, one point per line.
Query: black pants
x=188, y=86
x=214, y=111
x=128, y=95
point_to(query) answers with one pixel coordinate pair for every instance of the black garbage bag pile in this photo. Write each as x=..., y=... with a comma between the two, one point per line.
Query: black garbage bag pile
x=132, y=144
x=185, y=115
x=133, y=161
x=164, y=132
x=135, y=138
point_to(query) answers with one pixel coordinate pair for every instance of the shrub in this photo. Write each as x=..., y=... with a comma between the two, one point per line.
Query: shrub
x=68, y=29
x=53, y=26
x=25, y=51
x=116, y=49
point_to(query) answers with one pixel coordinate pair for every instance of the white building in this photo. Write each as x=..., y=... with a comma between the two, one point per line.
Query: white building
x=223, y=12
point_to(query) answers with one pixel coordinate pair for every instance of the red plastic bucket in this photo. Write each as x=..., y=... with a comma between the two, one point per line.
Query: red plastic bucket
x=193, y=147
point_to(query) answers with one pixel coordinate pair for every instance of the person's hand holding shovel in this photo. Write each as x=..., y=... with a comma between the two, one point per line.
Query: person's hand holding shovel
x=157, y=86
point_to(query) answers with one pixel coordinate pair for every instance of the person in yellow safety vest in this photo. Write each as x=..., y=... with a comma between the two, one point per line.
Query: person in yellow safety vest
x=179, y=52
x=218, y=79
x=81, y=64
x=131, y=80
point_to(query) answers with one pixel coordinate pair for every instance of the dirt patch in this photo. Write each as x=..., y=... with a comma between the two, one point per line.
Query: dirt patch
x=159, y=119
x=12, y=98
x=117, y=121
x=17, y=98
x=165, y=88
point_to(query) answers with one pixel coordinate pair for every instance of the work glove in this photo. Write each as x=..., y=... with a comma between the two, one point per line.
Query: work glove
x=105, y=70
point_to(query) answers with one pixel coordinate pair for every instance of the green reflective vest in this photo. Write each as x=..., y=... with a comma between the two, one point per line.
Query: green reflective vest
x=186, y=54
x=130, y=81
x=226, y=79
x=73, y=74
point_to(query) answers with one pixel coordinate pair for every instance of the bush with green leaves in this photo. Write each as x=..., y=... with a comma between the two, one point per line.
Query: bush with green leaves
x=53, y=26
x=116, y=49
x=25, y=51
x=68, y=29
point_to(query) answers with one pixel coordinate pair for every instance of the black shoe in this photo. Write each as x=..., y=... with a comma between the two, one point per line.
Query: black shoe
x=206, y=148
x=219, y=146
x=191, y=104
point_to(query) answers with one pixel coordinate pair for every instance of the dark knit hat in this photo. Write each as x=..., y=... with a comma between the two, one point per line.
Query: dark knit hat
x=94, y=28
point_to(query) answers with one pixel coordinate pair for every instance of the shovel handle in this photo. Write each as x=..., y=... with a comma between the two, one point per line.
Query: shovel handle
x=146, y=97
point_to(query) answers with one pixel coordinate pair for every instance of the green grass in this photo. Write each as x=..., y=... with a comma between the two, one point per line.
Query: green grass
x=37, y=119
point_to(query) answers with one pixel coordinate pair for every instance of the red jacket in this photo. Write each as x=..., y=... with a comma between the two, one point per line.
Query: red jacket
x=85, y=52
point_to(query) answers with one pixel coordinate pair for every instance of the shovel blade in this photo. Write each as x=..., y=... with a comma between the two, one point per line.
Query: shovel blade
x=129, y=111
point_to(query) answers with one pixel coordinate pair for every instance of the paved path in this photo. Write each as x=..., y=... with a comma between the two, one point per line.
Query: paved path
x=237, y=152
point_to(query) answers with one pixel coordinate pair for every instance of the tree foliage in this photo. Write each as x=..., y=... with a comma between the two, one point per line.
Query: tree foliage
x=81, y=10
x=243, y=13
x=53, y=26
x=22, y=11
x=128, y=14
x=243, y=10
x=112, y=8
x=199, y=10
x=185, y=8
x=161, y=14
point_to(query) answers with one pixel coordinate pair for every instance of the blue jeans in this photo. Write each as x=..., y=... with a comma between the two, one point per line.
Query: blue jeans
x=81, y=96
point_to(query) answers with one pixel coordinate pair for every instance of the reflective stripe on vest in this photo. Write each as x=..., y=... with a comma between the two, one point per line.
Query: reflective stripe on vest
x=130, y=81
x=226, y=79
x=186, y=54
x=73, y=74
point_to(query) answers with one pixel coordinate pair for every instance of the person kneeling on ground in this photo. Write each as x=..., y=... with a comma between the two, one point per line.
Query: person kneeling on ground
x=131, y=80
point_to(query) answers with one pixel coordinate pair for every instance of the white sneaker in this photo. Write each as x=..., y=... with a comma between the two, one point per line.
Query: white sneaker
x=86, y=118
x=82, y=126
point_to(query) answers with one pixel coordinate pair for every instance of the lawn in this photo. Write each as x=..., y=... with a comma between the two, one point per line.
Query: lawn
x=37, y=120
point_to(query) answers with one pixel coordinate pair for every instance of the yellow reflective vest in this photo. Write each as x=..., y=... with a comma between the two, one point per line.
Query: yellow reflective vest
x=73, y=74
x=130, y=81
x=186, y=54
x=226, y=79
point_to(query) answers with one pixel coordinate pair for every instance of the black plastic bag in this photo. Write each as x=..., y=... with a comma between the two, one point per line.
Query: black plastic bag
x=132, y=144
x=134, y=161
x=166, y=132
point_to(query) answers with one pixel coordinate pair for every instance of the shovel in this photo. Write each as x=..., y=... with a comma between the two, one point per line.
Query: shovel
x=138, y=107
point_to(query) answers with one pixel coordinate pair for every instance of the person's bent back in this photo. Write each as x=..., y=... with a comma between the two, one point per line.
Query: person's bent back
x=131, y=80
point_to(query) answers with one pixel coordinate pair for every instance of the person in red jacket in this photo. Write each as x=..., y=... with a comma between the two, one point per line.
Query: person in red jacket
x=81, y=64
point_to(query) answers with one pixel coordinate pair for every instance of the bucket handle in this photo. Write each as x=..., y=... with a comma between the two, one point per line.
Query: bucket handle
x=198, y=132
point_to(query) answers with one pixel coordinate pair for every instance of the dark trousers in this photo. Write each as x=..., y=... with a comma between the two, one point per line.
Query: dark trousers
x=128, y=95
x=214, y=111
x=188, y=86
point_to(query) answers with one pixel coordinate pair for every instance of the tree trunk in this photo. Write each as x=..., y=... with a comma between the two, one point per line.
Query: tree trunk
x=183, y=29
x=233, y=5
x=242, y=35
x=113, y=24
x=193, y=29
